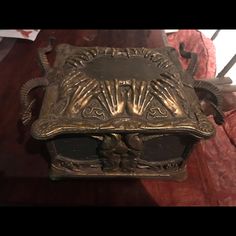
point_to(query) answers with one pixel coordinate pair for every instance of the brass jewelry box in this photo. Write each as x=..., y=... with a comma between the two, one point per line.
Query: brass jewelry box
x=119, y=112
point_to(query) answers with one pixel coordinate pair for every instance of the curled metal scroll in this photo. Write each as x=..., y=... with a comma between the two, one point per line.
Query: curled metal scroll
x=26, y=102
x=42, y=55
x=212, y=94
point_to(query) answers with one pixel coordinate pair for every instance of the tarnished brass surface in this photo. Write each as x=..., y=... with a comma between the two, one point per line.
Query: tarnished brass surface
x=124, y=101
x=120, y=97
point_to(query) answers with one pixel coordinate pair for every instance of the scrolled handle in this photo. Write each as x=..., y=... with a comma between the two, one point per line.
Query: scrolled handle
x=26, y=102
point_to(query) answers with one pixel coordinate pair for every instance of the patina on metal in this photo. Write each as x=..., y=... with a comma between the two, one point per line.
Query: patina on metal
x=120, y=112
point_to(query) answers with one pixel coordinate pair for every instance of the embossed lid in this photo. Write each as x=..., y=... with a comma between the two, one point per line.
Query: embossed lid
x=101, y=90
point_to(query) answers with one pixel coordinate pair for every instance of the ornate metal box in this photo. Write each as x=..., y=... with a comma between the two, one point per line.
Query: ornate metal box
x=119, y=112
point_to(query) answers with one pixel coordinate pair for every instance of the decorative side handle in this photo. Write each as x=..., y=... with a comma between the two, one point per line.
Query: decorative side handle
x=192, y=67
x=42, y=55
x=206, y=90
x=26, y=102
x=212, y=95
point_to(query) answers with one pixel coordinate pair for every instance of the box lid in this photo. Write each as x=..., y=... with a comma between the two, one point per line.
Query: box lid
x=100, y=90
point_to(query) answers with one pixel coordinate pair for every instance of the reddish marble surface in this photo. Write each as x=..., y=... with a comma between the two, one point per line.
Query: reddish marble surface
x=23, y=161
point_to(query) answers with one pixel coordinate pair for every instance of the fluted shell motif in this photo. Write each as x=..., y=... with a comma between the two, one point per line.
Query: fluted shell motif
x=88, y=97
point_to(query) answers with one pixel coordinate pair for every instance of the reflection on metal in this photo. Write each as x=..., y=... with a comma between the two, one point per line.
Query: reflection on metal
x=122, y=98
